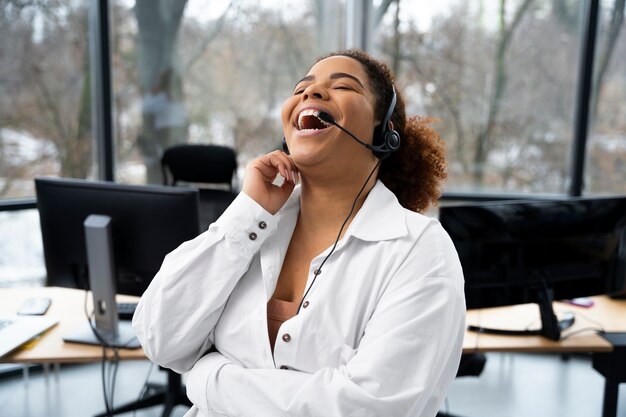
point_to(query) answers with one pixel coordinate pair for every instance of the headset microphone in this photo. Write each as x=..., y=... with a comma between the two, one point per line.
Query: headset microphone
x=329, y=119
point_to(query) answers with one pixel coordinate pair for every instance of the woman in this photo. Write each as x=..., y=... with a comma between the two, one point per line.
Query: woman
x=327, y=299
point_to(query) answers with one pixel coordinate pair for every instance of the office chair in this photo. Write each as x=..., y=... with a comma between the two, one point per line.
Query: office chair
x=472, y=364
x=202, y=165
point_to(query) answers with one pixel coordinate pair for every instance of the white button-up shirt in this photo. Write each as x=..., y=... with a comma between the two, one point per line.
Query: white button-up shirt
x=381, y=334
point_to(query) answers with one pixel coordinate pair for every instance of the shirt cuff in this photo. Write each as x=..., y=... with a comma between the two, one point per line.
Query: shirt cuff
x=204, y=371
x=246, y=223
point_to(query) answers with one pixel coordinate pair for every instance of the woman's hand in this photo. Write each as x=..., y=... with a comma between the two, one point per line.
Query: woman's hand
x=260, y=175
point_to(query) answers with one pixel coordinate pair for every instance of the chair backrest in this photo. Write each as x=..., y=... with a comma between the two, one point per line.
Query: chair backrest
x=198, y=163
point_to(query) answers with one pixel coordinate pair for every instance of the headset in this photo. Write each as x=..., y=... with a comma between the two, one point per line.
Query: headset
x=387, y=140
x=390, y=137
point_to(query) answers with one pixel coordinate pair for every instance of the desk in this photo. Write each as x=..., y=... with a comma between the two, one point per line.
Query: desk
x=67, y=306
x=607, y=313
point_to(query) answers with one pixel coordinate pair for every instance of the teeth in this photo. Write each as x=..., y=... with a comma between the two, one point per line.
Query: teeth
x=309, y=112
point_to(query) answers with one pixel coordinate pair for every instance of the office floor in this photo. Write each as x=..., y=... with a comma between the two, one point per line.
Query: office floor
x=512, y=385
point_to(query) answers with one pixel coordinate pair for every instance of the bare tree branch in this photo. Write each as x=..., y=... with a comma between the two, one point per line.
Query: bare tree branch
x=210, y=37
x=483, y=143
x=617, y=18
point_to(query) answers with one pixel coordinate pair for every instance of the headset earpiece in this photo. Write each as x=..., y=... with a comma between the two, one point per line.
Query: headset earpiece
x=392, y=140
x=387, y=138
x=285, y=148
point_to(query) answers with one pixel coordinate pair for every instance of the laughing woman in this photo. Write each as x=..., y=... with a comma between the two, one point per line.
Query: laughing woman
x=334, y=298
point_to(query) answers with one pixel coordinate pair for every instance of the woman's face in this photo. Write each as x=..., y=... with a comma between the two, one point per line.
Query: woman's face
x=339, y=86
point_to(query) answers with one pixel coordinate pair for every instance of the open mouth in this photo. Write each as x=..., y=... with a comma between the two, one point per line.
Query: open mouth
x=309, y=121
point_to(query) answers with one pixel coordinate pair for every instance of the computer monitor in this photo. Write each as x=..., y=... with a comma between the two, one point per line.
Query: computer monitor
x=148, y=222
x=110, y=238
x=515, y=252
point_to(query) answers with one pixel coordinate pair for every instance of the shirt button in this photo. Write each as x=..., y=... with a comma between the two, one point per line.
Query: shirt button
x=286, y=338
x=305, y=305
x=252, y=236
x=262, y=225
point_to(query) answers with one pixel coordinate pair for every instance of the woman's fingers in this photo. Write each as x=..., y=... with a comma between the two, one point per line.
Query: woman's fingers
x=259, y=180
x=280, y=161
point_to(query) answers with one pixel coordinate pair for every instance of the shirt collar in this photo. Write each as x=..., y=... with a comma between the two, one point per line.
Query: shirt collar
x=380, y=218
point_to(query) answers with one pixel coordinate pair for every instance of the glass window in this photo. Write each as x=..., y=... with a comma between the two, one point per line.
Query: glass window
x=501, y=79
x=606, y=148
x=207, y=72
x=21, y=255
x=45, y=109
x=45, y=118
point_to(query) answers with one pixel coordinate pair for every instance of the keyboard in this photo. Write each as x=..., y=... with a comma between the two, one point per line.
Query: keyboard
x=125, y=311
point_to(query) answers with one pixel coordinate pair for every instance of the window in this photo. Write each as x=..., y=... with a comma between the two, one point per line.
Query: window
x=21, y=250
x=195, y=71
x=45, y=107
x=45, y=118
x=606, y=148
x=501, y=77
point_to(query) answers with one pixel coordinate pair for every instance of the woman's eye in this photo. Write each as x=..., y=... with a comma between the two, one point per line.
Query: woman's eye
x=343, y=87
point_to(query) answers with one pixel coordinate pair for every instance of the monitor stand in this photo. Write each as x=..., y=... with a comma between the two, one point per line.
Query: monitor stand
x=551, y=327
x=105, y=329
x=125, y=337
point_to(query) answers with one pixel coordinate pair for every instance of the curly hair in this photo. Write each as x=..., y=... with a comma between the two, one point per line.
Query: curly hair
x=416, y=171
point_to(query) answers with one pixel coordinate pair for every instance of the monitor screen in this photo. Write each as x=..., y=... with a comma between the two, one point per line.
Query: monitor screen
x=147, y=223
x=575, y=247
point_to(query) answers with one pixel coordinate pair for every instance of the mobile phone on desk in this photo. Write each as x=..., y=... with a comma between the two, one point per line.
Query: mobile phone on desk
x=35, y=306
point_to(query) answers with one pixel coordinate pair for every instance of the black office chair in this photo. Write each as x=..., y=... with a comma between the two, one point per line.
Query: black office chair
x=209, y=167
x=472, y=364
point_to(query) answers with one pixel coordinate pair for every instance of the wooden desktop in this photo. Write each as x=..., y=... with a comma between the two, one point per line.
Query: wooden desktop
x=606, y=314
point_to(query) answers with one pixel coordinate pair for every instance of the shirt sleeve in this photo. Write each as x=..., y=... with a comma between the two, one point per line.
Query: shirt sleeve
x=405, y=361
x=176, y=315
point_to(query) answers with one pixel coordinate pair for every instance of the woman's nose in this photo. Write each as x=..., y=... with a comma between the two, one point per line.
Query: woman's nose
x=315, y=91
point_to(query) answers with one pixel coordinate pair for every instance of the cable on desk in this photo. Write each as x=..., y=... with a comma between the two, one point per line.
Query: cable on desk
x=590, y=320
x=583, y=330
